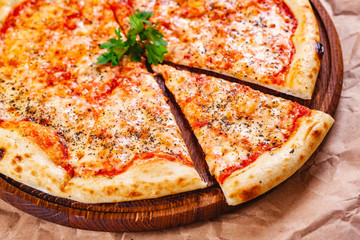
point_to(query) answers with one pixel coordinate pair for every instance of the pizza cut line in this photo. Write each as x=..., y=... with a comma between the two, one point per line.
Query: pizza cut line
x=98, y=134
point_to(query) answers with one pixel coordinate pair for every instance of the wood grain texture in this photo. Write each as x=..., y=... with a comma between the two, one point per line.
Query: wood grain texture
x=185, y=208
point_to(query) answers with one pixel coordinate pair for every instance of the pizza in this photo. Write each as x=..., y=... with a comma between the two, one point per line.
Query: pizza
x=101, y=133
x=252, y=141
x=272, y=43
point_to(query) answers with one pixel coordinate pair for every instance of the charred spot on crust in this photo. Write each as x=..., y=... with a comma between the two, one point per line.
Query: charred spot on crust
x=249, y=193
x=18, y=169
x=316, y=133
x=18, y=158
x=180, y=180
x=135, y=194
x=110, y=190
x=319, y=49
x=2, y=153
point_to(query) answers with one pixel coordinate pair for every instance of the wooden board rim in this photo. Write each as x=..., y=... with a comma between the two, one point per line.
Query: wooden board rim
x=178, y=209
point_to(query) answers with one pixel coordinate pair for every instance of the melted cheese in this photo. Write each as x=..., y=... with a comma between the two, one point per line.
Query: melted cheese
x=119, y=139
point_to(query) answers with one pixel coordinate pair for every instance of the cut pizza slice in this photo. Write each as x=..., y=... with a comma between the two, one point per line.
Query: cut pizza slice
x=59, y=130
x=135, y=150
x=252, y=141
x=273, y=43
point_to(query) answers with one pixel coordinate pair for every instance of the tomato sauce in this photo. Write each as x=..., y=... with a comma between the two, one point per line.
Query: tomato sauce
x=143, y=157
x=288, y=50
x=11, y=18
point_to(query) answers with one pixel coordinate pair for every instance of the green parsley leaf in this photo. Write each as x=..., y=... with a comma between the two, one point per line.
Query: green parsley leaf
x=155, y=53
x=107, y=45
x=137, y=26
x=156, y=37
x=142, y=38
x=136, y=52
x=116, y=49
x=144, y=16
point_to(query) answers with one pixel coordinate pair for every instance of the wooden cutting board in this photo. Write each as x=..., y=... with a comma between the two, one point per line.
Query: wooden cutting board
x=180, y=209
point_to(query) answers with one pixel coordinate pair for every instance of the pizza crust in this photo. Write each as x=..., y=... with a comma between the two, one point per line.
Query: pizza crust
x=272, y=168
x=151, y=179
x=27, y=163
x=305, y=66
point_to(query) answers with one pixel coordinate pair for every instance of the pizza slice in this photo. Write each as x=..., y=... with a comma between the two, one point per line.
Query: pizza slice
x=58, y=111
x=273, y=43
x=252, y=141
x=135, y=150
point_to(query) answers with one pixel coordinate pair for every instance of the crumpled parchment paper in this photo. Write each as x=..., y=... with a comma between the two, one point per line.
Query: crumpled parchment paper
x=321, y=201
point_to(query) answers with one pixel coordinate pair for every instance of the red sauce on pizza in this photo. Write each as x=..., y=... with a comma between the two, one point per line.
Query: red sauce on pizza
x=70, y=23
x=298, y=111
x=108, y=89
x=288, y=49
x=69, y=169
x=12, y=17
x=57, y=75
x=109, y=170
x=130, y=3
x=123, y=7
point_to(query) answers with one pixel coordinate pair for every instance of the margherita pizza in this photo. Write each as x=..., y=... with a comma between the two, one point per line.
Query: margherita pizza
x=102, y=133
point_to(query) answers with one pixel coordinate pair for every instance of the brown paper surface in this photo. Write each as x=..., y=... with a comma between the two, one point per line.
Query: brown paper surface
x=321, y=201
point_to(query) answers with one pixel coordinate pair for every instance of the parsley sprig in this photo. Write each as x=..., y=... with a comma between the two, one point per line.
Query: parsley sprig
x=142, y=38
